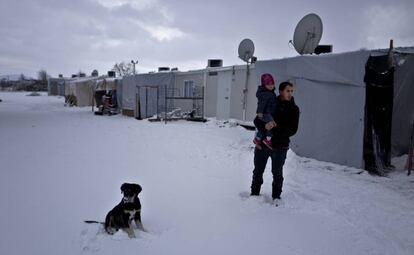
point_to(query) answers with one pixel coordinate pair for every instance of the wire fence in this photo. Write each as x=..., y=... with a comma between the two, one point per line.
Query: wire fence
x=161, y=103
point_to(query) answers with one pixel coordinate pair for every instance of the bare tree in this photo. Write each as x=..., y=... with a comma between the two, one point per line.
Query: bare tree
x=123, y=69
x=42, y=80
x=22, y=77
x=42, y=76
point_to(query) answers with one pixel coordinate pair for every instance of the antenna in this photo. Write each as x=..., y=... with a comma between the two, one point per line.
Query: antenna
x=133, y=64
x=308, y=33
x=246, y=50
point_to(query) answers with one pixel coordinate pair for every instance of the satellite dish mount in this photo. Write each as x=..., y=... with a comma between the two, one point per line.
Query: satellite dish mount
x=246, y=51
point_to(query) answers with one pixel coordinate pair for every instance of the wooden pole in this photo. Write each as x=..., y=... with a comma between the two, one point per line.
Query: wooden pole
x=410, y=158
x=391, y=54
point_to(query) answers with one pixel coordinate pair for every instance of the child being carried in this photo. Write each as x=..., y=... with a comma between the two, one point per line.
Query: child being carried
x=266, y=104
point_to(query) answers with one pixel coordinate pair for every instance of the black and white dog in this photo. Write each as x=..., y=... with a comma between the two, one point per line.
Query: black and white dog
x=128, y=210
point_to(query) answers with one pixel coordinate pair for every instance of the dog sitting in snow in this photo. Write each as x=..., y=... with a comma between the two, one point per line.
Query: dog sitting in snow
x=128, y=210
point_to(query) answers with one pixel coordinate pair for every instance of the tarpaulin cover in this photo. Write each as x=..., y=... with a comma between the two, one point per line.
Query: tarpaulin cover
x=330, y=93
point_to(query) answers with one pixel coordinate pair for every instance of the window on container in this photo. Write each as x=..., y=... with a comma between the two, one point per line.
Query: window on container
x=188, y=88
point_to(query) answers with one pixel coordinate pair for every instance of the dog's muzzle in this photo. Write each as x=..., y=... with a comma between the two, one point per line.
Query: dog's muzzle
x=128, y=199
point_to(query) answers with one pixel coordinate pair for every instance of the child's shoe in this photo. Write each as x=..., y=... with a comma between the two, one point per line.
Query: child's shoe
x=257, y=142
x=268, y=142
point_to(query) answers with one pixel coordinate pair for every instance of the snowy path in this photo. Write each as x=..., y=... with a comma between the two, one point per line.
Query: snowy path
x=60, y=166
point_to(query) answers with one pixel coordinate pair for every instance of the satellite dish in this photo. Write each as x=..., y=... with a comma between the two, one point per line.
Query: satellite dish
x=246, y=50
x=308, y=33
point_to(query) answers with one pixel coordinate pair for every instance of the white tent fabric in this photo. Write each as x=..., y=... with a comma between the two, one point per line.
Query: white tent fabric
x=403, y=108
x=106, y=84
x=82, y=89
x=128, y=92
x=330, y=93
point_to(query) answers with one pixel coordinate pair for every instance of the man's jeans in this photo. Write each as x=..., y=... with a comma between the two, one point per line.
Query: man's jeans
x=278, y=157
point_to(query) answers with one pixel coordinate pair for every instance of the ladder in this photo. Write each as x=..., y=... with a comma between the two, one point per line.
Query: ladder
x=410, y=158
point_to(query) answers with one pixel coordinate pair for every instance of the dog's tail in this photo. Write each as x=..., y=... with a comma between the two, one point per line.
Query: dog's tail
x=93, y=221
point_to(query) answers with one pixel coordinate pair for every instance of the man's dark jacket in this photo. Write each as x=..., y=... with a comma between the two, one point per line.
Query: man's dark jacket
x=286, y=116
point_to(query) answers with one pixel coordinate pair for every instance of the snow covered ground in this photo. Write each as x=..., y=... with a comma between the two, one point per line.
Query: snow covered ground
x=60, y=166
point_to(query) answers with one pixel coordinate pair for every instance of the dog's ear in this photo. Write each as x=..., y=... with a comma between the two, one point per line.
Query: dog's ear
x=123, y=187
x=137, y=188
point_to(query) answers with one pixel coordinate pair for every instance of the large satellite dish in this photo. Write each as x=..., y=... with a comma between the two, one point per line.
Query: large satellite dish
x=307, y=34
x=246, y=50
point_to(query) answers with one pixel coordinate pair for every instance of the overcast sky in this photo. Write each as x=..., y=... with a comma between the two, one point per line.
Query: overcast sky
x=72, y=35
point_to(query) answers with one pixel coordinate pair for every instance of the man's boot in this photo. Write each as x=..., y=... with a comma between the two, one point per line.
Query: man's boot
x=255, y=191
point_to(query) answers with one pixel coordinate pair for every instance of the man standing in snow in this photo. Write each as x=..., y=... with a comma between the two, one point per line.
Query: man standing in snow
x=284, y=125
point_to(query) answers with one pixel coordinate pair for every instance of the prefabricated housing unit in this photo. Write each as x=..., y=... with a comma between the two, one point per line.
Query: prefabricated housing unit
x=226, y=91
x=143, y=94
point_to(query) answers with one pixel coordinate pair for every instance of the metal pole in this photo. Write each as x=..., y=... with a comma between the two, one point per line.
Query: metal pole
x=157, y=100
x=202, y=94
x=194, y=100
x=138, y=103
x=204, y=86
x=133, y=65
x=409, y=164
x=245, y=91
x=146, y=102
x=93, y=98
x=165, y=96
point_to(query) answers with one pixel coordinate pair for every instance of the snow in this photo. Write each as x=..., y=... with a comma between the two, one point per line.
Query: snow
x=62, y=165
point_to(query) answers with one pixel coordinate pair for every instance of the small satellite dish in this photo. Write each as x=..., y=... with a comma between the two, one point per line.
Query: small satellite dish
x=308, y=33
x=246, y=50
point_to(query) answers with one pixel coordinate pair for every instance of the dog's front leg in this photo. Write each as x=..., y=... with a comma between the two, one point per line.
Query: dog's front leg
x=130, y=232
x=139, y=225
x=138, y=222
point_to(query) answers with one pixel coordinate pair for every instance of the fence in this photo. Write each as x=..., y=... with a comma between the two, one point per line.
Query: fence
x=161, y=103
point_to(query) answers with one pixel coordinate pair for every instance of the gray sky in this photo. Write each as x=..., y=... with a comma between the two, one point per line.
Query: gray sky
x=69, y=36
